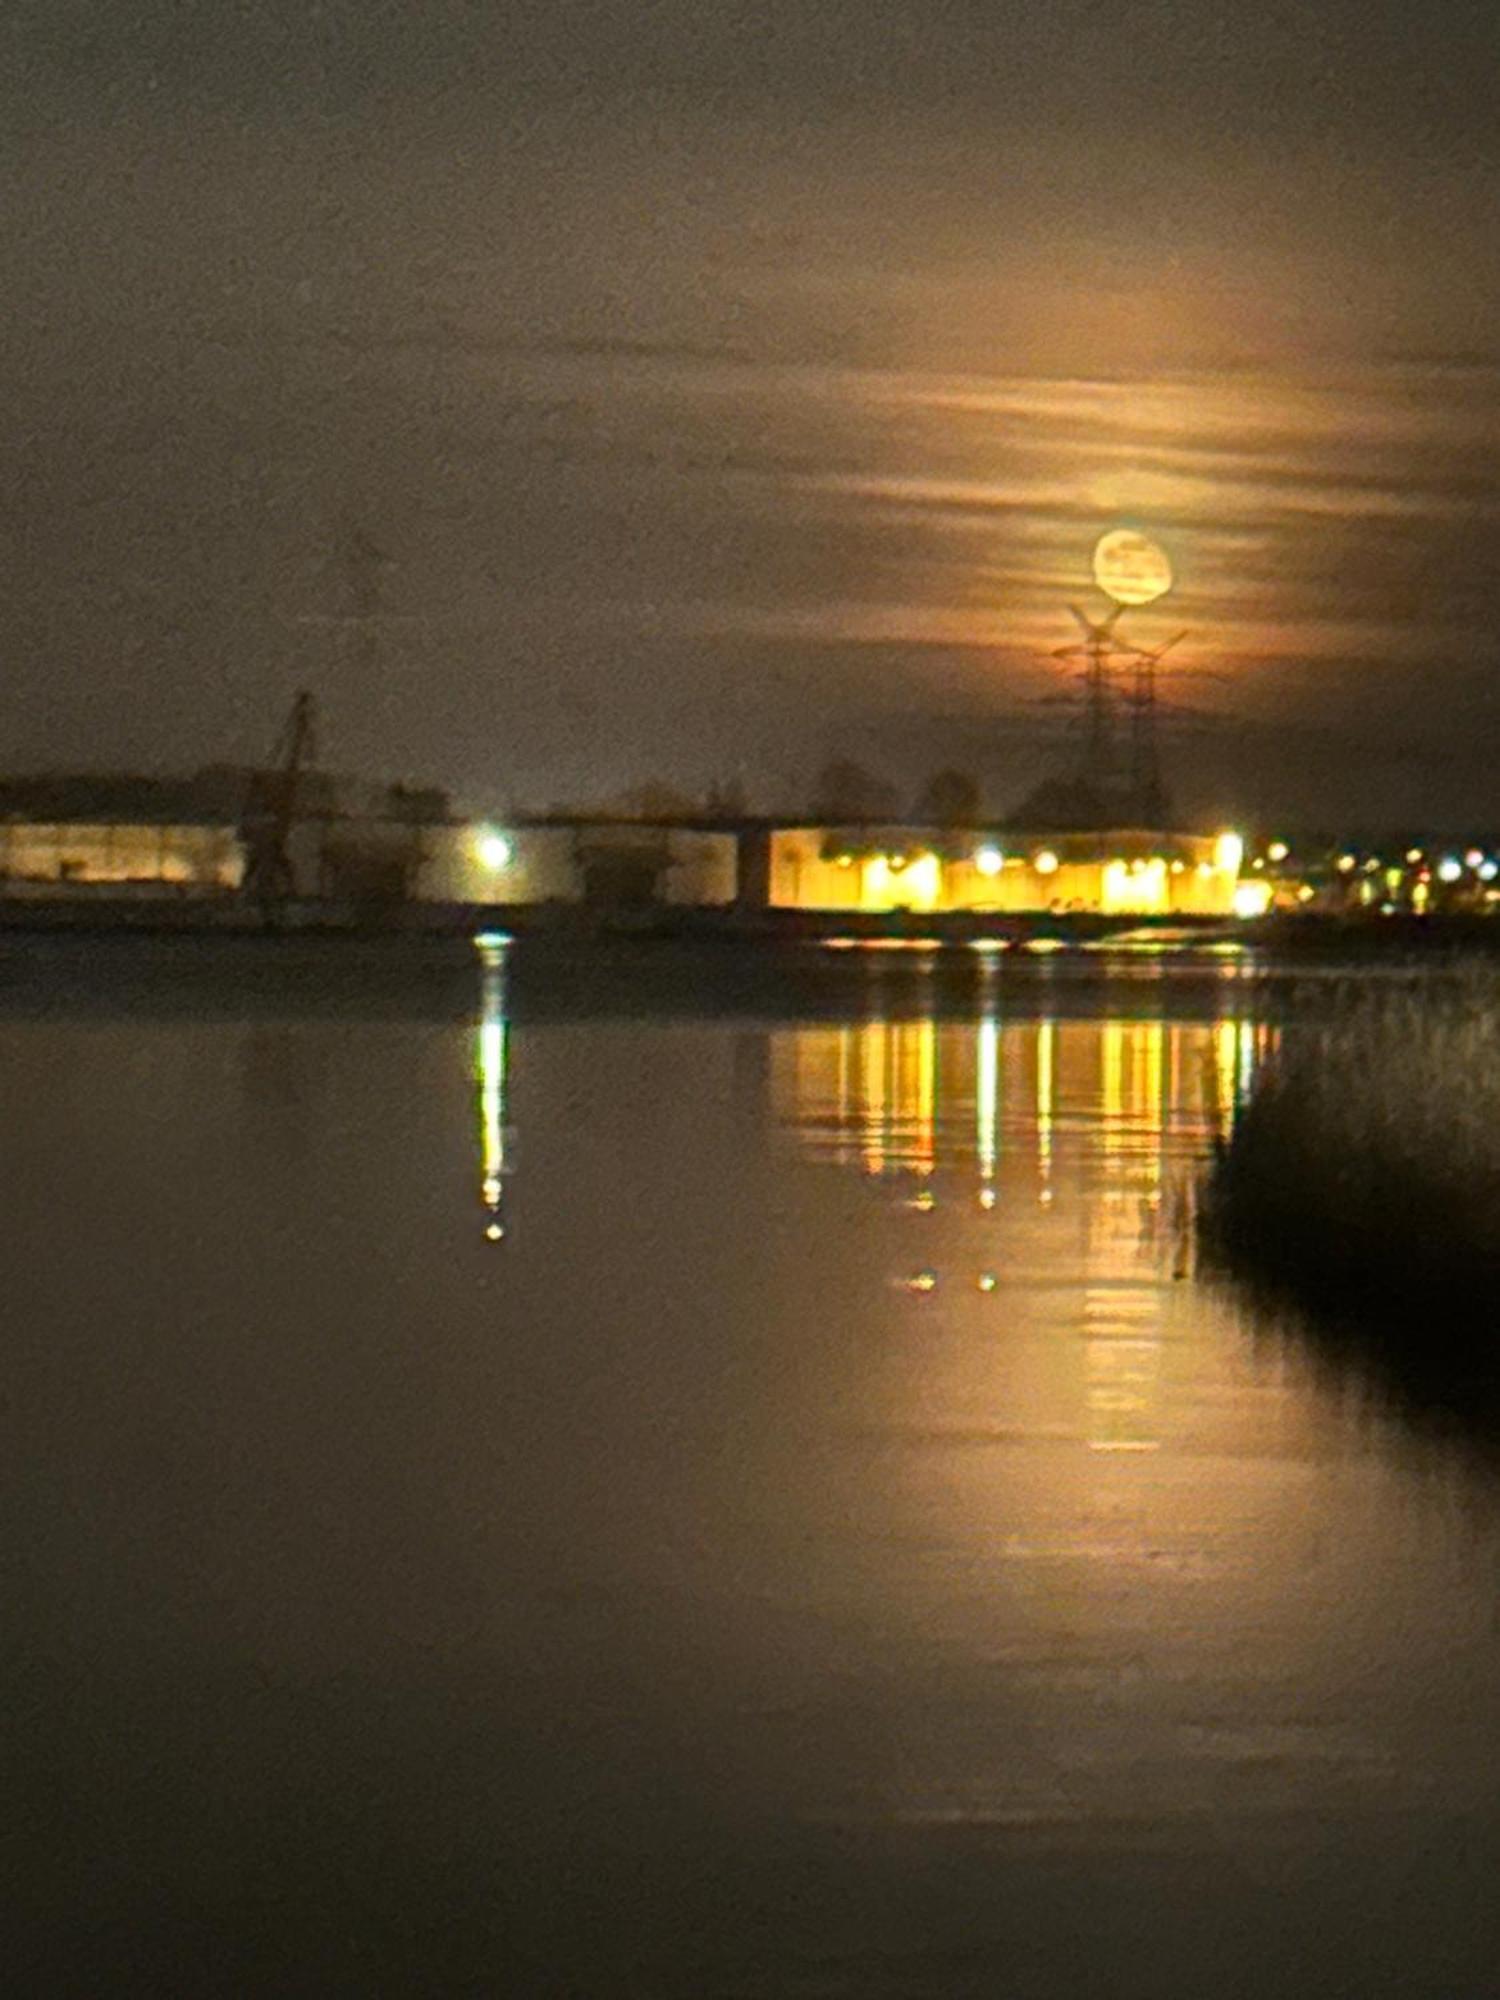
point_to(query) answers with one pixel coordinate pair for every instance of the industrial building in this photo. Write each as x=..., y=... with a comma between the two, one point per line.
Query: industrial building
x=131, y=855
x=82, y=834
x=1124, y=872
x=123, y=833
x=555, y=859
x=293, y=832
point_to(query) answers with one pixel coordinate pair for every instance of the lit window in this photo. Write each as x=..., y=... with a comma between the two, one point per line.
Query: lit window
x=1229, y=852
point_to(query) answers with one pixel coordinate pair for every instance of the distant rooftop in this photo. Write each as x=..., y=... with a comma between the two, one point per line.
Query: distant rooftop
x=116, y=796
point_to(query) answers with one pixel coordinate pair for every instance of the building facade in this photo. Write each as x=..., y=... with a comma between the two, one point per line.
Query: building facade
x=1130, y=871
x=615, y=862
x=125, y=855
x=144, y=836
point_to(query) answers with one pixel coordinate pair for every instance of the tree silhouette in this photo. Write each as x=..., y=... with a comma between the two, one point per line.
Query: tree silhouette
x=727, y=798
x=949, y=798
x=655, y=799
x=846, y=793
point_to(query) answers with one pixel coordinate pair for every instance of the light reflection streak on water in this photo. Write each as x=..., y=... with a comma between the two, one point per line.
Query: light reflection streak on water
x=922, y=1053
x=1112, y=1065
x=987, y=1105
x=1224, y=1076
x=1120, y=1115
x=1046, y=1092
x=886, y=1091
x=1139, y=1528
x=1121, y=1316
x=1245, y=1076
x=873, y=1067
x=491, y=1071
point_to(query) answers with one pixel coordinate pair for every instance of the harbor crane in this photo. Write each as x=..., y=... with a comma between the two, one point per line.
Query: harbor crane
x=270, y=811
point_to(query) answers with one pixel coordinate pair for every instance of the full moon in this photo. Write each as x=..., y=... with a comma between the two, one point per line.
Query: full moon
x=1130, y=568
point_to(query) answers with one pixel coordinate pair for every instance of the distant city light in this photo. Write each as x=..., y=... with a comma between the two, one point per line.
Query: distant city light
x=1450, y=868
x=1229, y=852
x=1045, y=862
x=1252, y=899
x=1277, y=851
x=494, y=850
x=1346, y=862
x=1488, y=870
x=1414, y=855
x=1473, y=858
x=989, y=860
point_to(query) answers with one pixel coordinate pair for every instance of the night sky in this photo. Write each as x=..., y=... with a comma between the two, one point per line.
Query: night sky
x=727, y=387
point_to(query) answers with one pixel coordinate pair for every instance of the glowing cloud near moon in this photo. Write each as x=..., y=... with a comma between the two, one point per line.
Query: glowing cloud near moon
x=1130, y=567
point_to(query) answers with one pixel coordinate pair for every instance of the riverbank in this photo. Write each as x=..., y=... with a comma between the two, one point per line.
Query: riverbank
x=1292, y=934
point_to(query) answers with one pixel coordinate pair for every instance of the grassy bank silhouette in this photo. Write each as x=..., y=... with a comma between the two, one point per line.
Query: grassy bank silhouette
x=1362, y=1181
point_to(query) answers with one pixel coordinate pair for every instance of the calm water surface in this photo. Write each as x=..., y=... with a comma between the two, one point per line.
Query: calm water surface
x=508, y=1489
